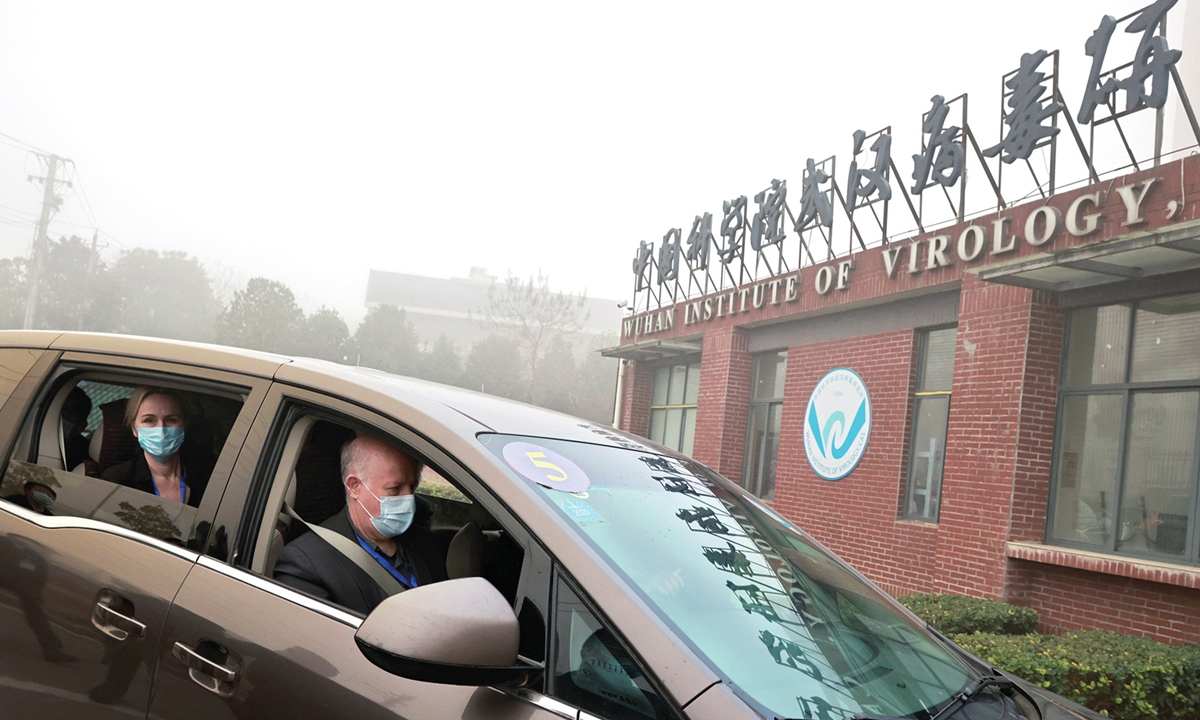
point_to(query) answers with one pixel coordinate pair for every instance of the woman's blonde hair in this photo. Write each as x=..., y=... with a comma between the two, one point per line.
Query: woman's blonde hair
x=139, y=396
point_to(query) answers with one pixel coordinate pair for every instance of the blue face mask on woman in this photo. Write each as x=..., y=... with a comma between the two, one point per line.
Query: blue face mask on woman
x=395, y=513
x=160, y=443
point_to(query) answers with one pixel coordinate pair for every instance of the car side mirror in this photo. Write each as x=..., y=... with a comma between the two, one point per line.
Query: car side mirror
x=457, y=632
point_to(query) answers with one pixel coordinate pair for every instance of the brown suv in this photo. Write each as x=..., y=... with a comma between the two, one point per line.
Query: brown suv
x=591, y=573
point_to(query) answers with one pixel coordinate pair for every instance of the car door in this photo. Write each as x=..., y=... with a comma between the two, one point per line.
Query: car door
x=237, y=644
x=84, y=591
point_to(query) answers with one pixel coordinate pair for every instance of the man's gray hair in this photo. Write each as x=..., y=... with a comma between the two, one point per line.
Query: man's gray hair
x=356, y=453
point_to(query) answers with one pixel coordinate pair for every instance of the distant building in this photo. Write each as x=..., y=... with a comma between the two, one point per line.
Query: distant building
x=457, y=307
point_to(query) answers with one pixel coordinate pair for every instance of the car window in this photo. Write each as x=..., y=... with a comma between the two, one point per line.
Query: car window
x=453, y=536
x=591, y=668
x=79, y=456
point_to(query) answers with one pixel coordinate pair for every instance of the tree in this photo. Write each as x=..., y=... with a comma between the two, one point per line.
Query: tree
x=385, y=341
x=597, y=383
x=442, y=363
x=557, y=380
x=325, y=336
x=532, y=315
x=264, y=316
x=14, y=292
x=225, y=280
x=494, y=366
x=75, y=289
x=165, y=295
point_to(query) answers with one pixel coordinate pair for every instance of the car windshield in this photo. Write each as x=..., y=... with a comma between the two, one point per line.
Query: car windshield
x=789, y=627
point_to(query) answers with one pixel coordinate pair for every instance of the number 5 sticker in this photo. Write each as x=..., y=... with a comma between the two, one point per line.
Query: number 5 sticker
x=545, y=467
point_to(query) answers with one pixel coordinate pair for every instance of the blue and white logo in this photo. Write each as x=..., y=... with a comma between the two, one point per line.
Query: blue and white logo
x=837, y=424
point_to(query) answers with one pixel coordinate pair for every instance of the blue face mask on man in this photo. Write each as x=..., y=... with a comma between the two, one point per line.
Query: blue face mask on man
x=160, y=443
x=395, y=513
x=43, y=499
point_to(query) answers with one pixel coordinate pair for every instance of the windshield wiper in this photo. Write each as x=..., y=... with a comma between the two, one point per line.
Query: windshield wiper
x=962, y=697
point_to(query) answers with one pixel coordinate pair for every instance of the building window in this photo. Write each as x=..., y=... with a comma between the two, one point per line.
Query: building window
x=762, y=432
x=931, y=416
x=1125, y=460
x=673, y=406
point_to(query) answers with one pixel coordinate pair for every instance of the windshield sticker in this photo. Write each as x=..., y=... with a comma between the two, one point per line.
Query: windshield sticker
x=545, y=467
x=582, y=513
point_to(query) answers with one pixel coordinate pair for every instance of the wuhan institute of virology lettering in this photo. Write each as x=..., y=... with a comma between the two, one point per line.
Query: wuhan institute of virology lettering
x=994, y=238
x=749, y=228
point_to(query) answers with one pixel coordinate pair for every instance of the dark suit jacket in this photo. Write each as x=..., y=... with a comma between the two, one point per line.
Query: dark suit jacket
x=135, y=473
x=313, y=566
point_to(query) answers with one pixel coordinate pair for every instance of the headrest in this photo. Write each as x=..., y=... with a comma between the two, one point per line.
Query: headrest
x=465, y=555
x=117, y=442
x=96, y=441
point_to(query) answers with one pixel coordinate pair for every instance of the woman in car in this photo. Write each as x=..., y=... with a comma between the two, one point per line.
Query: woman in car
x=156, y=418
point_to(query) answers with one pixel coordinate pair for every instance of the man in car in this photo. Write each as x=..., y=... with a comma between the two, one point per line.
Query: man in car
x=384, y=518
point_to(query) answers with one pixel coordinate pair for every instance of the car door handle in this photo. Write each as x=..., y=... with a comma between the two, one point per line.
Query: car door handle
x=197, y=663
x=118, y=624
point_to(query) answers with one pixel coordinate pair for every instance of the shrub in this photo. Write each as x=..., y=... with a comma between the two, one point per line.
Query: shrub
x=952, y=614
x=1122, y=676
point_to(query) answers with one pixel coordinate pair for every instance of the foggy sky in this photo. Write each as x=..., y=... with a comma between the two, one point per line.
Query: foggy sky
x=310, y=144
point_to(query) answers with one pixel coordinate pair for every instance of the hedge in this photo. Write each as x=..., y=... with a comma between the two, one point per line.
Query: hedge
x=953, y=614
x=1122, y=676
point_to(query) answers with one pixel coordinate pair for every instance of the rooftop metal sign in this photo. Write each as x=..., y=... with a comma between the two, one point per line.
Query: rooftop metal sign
x=750, y=245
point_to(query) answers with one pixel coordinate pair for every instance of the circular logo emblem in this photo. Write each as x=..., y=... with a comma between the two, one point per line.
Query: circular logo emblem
x=837, y=424
x=545, y=467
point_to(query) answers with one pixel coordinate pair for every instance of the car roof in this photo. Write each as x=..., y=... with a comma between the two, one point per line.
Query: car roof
x=455, y=407
x=464, y=411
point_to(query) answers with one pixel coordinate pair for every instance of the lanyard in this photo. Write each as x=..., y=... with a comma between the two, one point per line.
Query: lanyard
x=182, y=487
x=408, y=582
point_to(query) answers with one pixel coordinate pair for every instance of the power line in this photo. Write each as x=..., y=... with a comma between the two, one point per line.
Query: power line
x=27, y=145
x=118, y=242
x=17, y=210
x=68, y=222
x=15, y=146
x=83, y=194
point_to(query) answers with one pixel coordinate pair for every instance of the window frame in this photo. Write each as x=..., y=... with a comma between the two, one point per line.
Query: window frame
x=1126, y=390
x=559, y=578
x=252, y=485
x=46, y=388
x=773, y=405
x=684, y=407
x=921, y=358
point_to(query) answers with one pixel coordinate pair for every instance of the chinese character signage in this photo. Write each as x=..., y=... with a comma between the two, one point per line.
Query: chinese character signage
x=755, y=255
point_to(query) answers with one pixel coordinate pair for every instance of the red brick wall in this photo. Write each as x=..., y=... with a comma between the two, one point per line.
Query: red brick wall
x=982, y=438
x=857, y=516
x=1071, y=599
x=635, y=401
x=1039, y=408
x=725, y=368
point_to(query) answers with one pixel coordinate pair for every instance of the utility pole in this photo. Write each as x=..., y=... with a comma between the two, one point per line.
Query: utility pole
x=41, y=240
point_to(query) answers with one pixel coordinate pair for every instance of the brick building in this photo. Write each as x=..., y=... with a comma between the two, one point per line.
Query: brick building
x=1034, y=383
